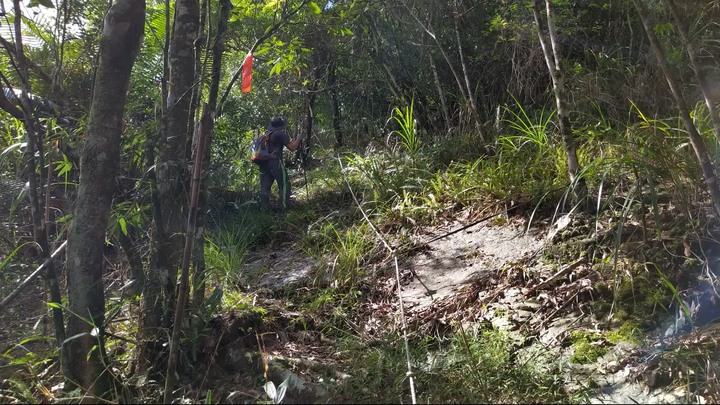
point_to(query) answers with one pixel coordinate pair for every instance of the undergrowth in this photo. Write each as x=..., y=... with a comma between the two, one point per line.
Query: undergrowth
x=478, y=368
x=646, y=193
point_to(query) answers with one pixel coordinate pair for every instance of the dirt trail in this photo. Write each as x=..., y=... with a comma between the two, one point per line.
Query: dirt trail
x=460, y=258
x=447, y=265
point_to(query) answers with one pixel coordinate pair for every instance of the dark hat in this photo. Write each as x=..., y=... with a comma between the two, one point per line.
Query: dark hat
x=277, y=123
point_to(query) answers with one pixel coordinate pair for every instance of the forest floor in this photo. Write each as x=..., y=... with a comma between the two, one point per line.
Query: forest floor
x=494, y=274
x=498, y=273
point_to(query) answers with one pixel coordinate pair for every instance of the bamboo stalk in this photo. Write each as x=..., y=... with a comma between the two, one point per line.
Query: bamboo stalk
x=172, y=377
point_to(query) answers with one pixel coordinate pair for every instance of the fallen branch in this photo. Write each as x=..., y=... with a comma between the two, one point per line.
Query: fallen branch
x=32, y=276
x=563, y=271
x=466, y=226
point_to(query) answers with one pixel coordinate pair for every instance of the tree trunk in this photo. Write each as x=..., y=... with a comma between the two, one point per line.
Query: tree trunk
x=334, y=104
x=554, y=64
x=170, y=186
x=462, y=88
x=152, y=300
x=34, y=148
x=310, y=115
x=695, y=139
x=119, y=45
x=183, y=290
x=171, y=169
x=468, y=87
x=199, y=275
x=438, y=86
x=710, y=102
x=128, y=243
x=198, y=253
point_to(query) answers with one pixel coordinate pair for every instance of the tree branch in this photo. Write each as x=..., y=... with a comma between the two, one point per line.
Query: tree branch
x=32, y=276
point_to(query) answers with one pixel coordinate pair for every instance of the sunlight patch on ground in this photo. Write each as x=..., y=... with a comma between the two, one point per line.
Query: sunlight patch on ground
x=461, y=258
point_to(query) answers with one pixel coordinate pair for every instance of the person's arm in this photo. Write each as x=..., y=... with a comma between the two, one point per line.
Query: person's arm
x=292, y=146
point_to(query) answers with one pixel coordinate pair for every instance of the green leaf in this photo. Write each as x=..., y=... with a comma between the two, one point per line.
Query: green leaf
x=275, y=69
x=63, y=167
x=55, y=305
x=13, y=147
x=71, y=338
x=262, y=50
x=65, y=218
x=123, y=226
x=315, y=7
x=34, y=339
x=270, y=390
x=11, y=255
x=90, y=353
x=662, y=29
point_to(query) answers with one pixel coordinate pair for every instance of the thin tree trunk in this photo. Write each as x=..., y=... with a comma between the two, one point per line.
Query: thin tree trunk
x=310, y=114
x=462, y=89
x=119, y=46
x=152, y=299
x=172, y=375
x=137, y=274
x=199, y=275
x=554, y=64
x=710, y=102
x=466, y=76
x=151, y=302
x=198, y=253
x=33, y=148
x=695, y=139
x=32, y=276
x=438, y=86
x=57, y=88
x=171, y=169
x=379, y=60
x=170, y=193
x=334, y=104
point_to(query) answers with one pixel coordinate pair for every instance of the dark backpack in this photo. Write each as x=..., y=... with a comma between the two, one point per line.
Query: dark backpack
x=260, y=148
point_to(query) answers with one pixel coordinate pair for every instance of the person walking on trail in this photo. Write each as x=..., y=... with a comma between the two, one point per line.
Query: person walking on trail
x=273, y=170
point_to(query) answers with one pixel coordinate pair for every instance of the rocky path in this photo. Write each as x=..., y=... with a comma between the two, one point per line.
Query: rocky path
x=461, y=258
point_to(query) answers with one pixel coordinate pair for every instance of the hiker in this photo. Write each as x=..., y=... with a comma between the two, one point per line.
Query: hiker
x=273, y=169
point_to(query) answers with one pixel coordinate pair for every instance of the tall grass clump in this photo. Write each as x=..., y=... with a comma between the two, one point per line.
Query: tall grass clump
x=386, y=176
x=457, y=147
x=528, y=164
x=342, y=250
x=227, y=244
x=445, y=191
x=29, y=372
x=468, y=368
x=526, y=129
x=408, y=131
x=649, y=188
x=647, y=163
